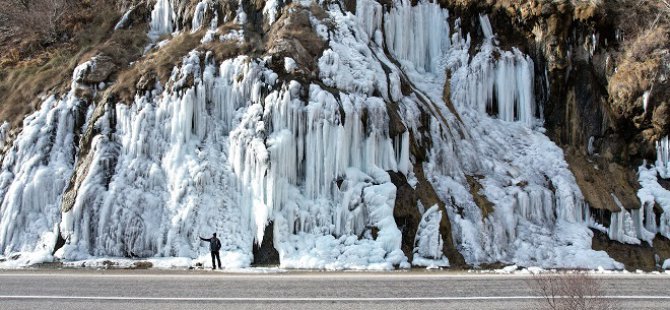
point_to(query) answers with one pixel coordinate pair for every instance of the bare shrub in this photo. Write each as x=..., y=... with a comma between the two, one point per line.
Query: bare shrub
x=41, y=17
x=576, y=291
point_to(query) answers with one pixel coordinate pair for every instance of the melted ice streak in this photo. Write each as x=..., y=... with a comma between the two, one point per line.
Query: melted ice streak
x=124, y=19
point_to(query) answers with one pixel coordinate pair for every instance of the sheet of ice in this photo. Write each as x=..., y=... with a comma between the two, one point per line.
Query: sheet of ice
x=498, y=82
x=4, y=134
x=369, y=14
x=622, y=225
x=418, y=36
x=154, y=184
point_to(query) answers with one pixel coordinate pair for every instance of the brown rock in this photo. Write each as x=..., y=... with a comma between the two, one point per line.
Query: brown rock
x=100, y=72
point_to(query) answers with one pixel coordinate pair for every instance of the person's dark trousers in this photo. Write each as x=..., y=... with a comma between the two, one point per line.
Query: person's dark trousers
x=218, y=259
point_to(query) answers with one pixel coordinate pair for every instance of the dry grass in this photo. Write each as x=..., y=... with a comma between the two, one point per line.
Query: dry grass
x=21, y=85
x=645, y=30
x=633, y=17
x=29, y=69
x=41, y=18
x=156, y=66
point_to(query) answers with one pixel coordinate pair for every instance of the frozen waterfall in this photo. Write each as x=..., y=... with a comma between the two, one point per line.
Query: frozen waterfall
x=231, y=146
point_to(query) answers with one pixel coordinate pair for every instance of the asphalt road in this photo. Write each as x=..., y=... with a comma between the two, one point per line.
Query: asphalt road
x=132, y=289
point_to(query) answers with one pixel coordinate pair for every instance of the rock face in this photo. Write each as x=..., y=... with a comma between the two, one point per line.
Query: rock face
x=352, y=134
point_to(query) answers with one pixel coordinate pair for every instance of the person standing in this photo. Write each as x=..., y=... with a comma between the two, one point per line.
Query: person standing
x=214, y=247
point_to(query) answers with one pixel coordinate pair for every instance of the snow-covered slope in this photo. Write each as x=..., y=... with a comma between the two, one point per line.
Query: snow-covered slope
x=232, y=145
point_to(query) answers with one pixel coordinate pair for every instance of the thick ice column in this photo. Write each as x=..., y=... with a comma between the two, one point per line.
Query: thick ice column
x=652, y=194
x=162, y=19
x=370, y=14
x=485, y=23
x=199, y=15
x=428, y=249
x=496, y=81
x=622, y=225
x=417, y=35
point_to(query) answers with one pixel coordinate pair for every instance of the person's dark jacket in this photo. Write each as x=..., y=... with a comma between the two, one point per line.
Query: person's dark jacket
x=214, y=243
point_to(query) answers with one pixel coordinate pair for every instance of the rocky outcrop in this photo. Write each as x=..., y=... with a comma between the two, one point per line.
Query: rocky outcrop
x=265, y=254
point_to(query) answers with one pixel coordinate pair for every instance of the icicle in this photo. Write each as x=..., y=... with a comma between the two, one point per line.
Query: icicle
x=652, y=194
x=418, y=35
x=199, y=15
x=370, y=15
x=622, y=226
x=162, y=19
x=124, y=19
x=663, y=157
x=428, y=249
x=486, y=26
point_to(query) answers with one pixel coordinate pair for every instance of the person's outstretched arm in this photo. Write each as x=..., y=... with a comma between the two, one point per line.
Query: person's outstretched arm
x=205, y=239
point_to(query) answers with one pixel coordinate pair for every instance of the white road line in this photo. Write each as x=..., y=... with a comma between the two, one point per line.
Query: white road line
x=316, y=275
x=315, y=299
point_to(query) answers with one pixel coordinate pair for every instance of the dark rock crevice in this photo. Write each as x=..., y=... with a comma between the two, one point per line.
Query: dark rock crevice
x=266, y=254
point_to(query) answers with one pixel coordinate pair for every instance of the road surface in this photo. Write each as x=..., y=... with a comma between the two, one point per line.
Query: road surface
x=133, y=289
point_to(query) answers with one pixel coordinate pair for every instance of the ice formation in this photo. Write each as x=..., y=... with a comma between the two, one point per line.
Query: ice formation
x=231, y=147
x=429, y=244
x=498, y=80
x=663, y=157
x=199, y=16
x=162, y=19
x=651, y=194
